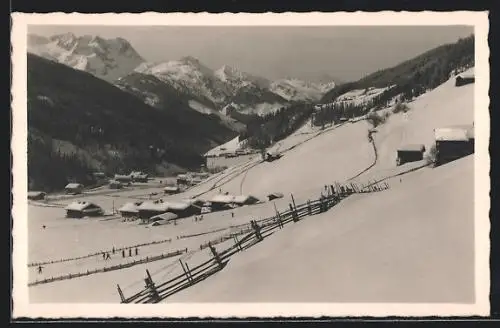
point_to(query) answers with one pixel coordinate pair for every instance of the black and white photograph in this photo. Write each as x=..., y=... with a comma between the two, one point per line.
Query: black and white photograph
x=251, y=164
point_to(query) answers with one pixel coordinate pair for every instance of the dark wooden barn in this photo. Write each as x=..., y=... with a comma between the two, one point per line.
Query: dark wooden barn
x=463, y=80
x=453, y=143
x=410, y=153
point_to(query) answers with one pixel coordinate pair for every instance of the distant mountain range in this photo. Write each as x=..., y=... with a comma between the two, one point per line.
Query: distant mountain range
x=208, y=91
x=107, y=59
x=95, y=104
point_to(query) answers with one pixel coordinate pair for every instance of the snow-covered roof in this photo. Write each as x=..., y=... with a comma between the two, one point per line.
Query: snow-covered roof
x=222, y=199
x=276, y=195
x=171, y=188
x=114, y=182
x=73, y=186
x=167, y=216
x=243, y=198
x=178, y=206
x=122, y=177
x=162, y=206
x=80, y=206
x=153, y=206
x=454, y=133
x=35, y=193
x=230, y=146
x=412, y=147
x=130, y=207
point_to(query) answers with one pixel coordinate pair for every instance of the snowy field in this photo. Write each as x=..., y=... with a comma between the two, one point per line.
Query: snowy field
x=406, y=244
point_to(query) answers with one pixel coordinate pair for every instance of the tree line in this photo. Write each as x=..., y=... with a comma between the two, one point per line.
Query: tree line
x=403, y=82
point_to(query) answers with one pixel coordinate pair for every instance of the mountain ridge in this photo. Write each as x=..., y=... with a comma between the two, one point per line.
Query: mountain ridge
x=91, y=116
x=112, y=59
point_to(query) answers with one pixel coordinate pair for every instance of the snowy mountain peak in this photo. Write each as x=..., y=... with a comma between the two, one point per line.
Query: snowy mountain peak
x=295, y=89
x=108, y=59
x=238, y=78
x=66, y=40
x=190, y=60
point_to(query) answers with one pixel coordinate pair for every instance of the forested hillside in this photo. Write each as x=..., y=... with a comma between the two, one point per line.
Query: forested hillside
x=406, y=81
x=76, y=118
x=416, y=75
x=403, y=82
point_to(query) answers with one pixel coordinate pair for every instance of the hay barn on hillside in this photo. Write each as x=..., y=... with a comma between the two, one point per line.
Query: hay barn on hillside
x=453, y=143
x=274, y=195
x=81, y=209
x=410, y=153
x=74, y=188
x=463, y=80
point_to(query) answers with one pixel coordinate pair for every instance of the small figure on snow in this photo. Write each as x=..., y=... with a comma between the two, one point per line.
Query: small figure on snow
x=136, y=251
x=123, y=252
x=113, y=249
x=40, y=269
x=103, y=255
x=107, y=256
x=44, y=226
x=232, y=214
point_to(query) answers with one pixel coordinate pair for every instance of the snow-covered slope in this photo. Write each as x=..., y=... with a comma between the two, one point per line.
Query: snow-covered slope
x=108, y=59
x=412, y=243
x=294, y=89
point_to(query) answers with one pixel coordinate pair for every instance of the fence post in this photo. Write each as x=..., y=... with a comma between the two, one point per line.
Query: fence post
x=293, y=202
x=309, y=210
x=278, y=216
x=294, y=214
x=122, y=297
x=256, y=228
x=237, y=243
x=214, y=253
x=151, y=286
x=189, y=273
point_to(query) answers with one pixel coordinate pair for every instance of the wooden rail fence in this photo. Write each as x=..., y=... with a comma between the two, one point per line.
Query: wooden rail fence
x=254, y=232
x=99, y=253
x=146, y=259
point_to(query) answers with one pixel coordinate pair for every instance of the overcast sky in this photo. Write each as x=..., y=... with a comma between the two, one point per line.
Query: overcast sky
x=310, y=53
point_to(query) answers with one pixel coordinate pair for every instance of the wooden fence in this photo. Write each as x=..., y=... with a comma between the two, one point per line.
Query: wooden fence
x=99, y=253
x=146, y=259
x=254, y=232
